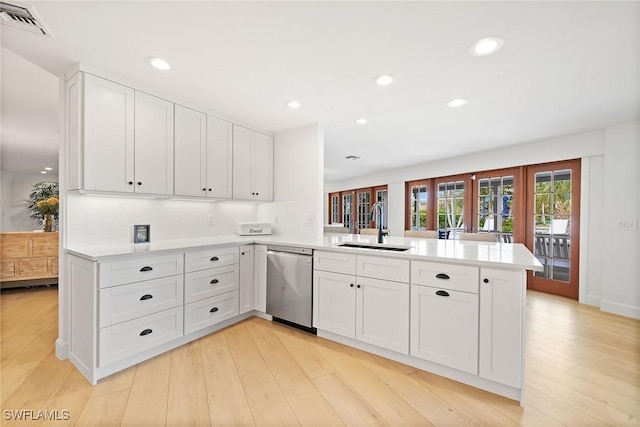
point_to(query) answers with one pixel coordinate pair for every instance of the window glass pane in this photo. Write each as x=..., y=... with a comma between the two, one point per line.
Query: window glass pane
x=451, y=206
x=419, y=207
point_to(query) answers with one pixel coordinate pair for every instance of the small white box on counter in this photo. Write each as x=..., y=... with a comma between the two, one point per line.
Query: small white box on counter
x=253, y=228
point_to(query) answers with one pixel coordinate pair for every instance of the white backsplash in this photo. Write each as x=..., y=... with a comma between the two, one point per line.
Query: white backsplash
x=97, y=220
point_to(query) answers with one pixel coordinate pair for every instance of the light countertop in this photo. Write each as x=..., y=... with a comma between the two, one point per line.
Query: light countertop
x=489, y=254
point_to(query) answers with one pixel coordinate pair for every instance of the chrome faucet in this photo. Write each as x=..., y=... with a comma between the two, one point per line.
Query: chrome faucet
x=376, y=213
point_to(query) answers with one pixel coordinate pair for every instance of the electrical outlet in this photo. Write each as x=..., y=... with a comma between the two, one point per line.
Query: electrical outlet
x=627, y=225
x=309, y=221
x=210, y=219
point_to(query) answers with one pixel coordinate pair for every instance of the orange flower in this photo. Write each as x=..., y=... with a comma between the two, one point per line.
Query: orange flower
x=48, y=206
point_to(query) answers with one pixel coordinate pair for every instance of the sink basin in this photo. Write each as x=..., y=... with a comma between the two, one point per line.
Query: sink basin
x=381, y=247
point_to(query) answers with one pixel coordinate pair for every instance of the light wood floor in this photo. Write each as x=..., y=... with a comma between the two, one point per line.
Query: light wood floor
x=582, y=369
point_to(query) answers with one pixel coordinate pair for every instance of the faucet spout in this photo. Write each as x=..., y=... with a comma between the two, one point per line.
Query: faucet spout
x=376, y=213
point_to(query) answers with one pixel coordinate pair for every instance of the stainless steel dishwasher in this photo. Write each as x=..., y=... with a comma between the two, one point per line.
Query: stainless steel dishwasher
x=290, y=285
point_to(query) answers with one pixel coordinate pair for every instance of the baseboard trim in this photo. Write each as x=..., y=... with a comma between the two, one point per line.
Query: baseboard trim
x=62, y=349
x=620, y=309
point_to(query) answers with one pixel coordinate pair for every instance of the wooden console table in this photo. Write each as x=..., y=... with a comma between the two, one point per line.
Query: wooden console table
x=29, y=256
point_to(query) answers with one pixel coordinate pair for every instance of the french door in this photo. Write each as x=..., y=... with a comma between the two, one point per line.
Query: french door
x=553, y=226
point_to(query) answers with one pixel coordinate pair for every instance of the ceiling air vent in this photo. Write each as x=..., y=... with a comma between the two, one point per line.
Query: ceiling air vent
x=22, y=16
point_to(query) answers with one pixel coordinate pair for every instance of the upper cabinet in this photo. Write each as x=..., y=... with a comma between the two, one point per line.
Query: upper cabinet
x=252, y=165
x=202, y=155
x=120, y=140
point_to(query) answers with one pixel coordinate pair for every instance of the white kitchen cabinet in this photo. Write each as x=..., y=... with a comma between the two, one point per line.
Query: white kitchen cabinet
x=382, y=315
x=190, y=178
x=247, y=279
x=334, y=303
x=219, y=158
x=207, y=312
x=444, y=327
x=153, y=165
x=501, y=326
x=203, y=150
x=120, y=140
x=208, y=283
x=252, y=165
x=261, y=277
x=102, y=155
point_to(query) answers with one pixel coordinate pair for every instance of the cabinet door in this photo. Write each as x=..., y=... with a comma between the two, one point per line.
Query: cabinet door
x=247, y=279
x=219, y=158
x=501, y=322
x=262, y=167
x=444, y=327
x=334, y=303
x=108, y=135
x=153, y=145
x=190, y=152
x=242, y=164
x=261, y=278
x=382, y=314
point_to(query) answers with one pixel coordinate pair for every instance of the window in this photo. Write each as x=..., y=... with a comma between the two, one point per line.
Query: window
x=334, y=208
x=364, y=208
x=418, y=216
x=452, y=205
x=353, y=207
x=347, y=209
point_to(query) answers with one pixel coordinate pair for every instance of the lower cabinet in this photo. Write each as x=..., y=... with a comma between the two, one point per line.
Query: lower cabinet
x=260, y=268
x=208, y=312
x=444, y=327
x=247, y=279
x=370, y=310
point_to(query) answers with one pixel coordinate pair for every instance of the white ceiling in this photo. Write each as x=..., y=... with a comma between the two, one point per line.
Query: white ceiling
x=565, y=67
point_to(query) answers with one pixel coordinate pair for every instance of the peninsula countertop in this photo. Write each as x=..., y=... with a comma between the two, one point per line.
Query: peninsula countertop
x=487, y=254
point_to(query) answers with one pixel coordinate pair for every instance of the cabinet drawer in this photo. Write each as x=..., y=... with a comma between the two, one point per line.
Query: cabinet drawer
x=45, y=246
x=210, y=258
x=35, y=268
x=126, y=339
x=393, y=269
x=138, y=269
x=126, y=302
x=210, y=311
x=335, y=262
x=208, y=283
x=447, y=276
x=7, y=270
x=14, y=247
x=53, y=267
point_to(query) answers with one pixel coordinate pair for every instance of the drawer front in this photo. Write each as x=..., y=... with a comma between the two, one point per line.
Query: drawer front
x=210, y=258
x=203, y=284
x=125, y=302
x=137, y=269
x=35, y=268
x=335, y=262
x=447, y=276
x=396, y=270
x=53, y=267
x=7, y=270
x=14, y=247
x=45, y=246
x=126, y=339
x=210, y=311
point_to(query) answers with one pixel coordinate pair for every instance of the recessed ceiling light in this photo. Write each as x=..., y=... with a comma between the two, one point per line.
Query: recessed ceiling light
x=486, y=46
x=48, y=169
x=385, y=80
x=362, y=121
x=293, y=104
x=352, y=157
x=159, y=63
x=44, y=172
x=458, y=102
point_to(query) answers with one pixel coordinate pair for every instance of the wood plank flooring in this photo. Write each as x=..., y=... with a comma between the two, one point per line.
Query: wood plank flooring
x=582, y=369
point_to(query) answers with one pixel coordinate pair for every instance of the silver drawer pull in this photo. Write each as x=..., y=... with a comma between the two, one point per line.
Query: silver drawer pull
x=146, y=332
x=146, y=297
x=442, y=276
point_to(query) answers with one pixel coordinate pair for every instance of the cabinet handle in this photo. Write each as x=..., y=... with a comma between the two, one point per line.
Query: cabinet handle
x=147, y=268
x=214, y=281
x=146, y=297
x=257, y=194
x=442, y=276
x=204, y=189
x=358, y=286
x=214, y=258
x=241, y=253
x=130, y=182
x=442, y=293
x=209, y=189
x=351, y=285
x=146, y=332
x=213, y=310
x=485, y=280
x=139, y=182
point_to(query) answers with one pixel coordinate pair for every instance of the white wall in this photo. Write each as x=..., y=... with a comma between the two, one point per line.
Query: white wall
x=14, y=198
x=298, y=163
x=610, y=277
x=96, y=220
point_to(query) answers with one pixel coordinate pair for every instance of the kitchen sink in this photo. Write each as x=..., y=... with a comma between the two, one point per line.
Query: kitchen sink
x=381, y=247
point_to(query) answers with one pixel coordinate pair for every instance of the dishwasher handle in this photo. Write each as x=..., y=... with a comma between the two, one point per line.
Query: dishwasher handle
x=272, y=250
